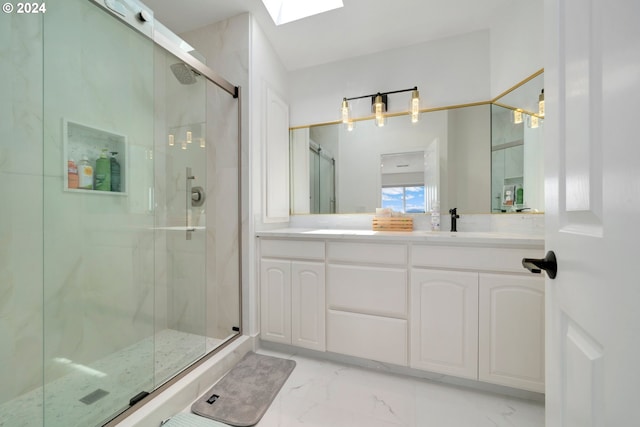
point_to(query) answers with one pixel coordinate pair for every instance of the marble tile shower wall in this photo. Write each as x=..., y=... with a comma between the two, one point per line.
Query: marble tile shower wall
x=179, y=108
x=223, y=226
x=226, y=46
x=20, y=205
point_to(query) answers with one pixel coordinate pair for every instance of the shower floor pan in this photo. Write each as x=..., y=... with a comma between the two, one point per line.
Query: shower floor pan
x=93, y=394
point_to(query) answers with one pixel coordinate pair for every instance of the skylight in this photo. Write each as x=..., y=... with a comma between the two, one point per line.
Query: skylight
x=283, y=11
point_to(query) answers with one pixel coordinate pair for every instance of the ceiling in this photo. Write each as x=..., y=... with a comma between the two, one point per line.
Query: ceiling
x=361, y=27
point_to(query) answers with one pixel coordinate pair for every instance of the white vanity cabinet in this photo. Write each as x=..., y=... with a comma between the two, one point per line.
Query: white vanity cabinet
x=292, y=293
x=457, y=305
x=475, y=313
x=444, y=322
x=367, y=300
x=511, y=340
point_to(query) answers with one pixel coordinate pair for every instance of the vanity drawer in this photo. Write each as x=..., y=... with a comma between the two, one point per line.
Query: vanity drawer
x=372, y=290
x=477, y=259
x=289, y=249
x=368, y=253
x=371, y=337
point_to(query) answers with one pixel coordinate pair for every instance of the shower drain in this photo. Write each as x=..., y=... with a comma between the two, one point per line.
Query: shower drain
x=94, y=396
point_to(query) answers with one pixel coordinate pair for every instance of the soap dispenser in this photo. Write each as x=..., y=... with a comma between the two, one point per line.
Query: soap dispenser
x=435, y=217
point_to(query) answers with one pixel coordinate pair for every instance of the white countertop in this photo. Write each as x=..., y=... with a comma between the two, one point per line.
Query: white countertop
x=461, y=238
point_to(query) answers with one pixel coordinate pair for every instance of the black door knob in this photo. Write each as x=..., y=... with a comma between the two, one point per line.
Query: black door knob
x=548, y=264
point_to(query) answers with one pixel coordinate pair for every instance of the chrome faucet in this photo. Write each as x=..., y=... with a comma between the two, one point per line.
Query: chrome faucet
x=454, y=217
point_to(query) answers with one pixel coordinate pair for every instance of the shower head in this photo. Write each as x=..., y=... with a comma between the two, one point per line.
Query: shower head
x=184, y=73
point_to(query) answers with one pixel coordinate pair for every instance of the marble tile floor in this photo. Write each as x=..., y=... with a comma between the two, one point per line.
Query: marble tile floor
x=122, y=374
x=321, y=393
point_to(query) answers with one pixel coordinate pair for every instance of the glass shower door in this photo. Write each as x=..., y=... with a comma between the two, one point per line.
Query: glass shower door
x=181, y=253
x=98, y=166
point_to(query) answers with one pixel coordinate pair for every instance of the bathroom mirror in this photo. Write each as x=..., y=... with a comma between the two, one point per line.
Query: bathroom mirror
x=480, y=153
x=517, y=169
x=334, y=170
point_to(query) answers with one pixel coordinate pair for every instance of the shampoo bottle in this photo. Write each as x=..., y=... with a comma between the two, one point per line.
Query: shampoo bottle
x=85, y=174
x=103, y=172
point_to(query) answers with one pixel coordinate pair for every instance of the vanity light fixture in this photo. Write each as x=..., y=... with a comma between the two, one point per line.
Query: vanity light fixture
x=541, y=104
x=379, y=106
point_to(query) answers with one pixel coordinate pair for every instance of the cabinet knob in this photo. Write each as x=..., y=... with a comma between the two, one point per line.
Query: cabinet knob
x=548, y=264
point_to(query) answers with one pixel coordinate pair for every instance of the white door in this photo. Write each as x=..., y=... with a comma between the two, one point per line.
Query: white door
x=592, y=186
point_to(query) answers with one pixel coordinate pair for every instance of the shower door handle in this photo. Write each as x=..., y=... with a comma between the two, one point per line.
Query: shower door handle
x=189, y=228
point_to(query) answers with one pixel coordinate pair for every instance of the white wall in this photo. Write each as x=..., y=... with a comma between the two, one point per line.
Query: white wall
x=266, y=71
x=448, y=71
x=516, y=44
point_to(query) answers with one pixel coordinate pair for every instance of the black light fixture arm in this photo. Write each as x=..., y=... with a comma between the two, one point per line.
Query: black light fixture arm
x=381, y=93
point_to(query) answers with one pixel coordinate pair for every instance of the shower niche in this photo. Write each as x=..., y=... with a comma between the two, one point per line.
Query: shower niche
x=83, y=145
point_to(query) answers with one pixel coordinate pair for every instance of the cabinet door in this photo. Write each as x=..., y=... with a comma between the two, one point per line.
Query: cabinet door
x=275, y=300
x=511, y=350
x=444, y=322
x=308, y=305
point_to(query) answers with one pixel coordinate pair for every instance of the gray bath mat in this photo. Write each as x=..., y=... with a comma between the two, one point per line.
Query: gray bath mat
x=244, y=394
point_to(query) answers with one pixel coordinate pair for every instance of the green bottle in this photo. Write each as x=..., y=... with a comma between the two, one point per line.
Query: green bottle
x=103, y=172
x=519, y=196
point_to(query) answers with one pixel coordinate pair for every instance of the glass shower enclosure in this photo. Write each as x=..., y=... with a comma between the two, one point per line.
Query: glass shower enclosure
x=119, y=247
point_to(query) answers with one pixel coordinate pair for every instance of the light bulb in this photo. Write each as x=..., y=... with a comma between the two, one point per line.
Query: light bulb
x=517, y=116
x=534, y=122
x=184, y=145
x=345, y=111
x=172, y=140
x=202, y=143
x=378, y=108
x=541, y=104
x=414, y=107
x=189, y=136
